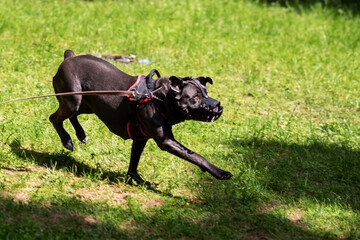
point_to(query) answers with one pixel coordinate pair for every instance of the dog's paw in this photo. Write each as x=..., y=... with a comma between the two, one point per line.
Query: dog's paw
x=222, y=175
x=135, y=179
x=226, y=175
x=68, y=145
x=83, y=140
x=82, y=137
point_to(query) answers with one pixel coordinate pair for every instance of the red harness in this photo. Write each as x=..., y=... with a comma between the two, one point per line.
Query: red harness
x=134, y=129
x=140, y=87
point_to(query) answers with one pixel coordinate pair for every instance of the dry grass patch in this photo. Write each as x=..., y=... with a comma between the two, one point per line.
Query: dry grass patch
x=295, y=216
x=108, y=193
x=267, y=208
x=23, y=177
x=22, y=170
x=260, y=235
x=60, y=218
x=116, y=195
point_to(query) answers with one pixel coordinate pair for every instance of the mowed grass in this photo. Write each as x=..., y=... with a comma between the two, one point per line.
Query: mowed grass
x=289, y=83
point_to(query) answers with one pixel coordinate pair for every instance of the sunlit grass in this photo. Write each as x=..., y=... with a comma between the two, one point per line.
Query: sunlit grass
x=288, y=81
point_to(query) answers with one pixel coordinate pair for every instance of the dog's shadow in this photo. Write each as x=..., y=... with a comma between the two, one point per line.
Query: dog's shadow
x=63, y=160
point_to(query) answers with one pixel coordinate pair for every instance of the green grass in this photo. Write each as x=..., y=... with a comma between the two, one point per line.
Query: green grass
x=290, y=133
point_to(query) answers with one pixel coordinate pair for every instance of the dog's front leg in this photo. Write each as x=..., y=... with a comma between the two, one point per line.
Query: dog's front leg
x=136, y=151
x=174, y=147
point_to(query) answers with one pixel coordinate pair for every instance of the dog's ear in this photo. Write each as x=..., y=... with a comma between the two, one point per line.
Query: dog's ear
x=176, y=84
x=204, y=80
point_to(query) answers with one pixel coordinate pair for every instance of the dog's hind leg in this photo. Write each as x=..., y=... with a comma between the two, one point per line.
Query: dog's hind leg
x=80, y=133
x=57, y=121
x=69, y=106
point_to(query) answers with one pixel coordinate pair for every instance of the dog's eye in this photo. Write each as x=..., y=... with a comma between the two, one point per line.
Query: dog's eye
x=195, y=99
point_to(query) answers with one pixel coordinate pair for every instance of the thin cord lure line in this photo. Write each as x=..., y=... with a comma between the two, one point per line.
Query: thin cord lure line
x=109, y=92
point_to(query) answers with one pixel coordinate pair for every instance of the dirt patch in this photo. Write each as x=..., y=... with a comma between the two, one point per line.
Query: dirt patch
x=115, y=195
x=260, y=235
x=8, y=220
x=82, y=220
x=267, y=208
x=51, y=220
x=54, y=217
x=90, y=220
x=149, y=202
x=295, y=216
x=64, y=220
x=102, y=193
x=4, y=194
x=19, y=175
x=22, y=170
x=128, y=224
x=22, y=195
x=13, y=171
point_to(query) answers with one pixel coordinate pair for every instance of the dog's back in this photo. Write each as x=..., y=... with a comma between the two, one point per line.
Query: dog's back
x=89, y=73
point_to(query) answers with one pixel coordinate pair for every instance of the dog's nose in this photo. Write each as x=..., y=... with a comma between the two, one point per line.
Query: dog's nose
x=218, y=107
x=211, y=103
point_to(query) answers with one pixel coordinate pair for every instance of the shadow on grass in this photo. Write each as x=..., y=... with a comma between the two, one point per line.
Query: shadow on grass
x=224, y=210
x=338, y=6
x=63, y=159
x=70, y=218
x=326, y=173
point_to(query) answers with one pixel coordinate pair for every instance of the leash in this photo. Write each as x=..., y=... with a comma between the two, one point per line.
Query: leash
x=133, y=93
x=109, y=92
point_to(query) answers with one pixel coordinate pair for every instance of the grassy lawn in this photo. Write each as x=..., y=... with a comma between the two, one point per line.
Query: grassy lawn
x=288, y=79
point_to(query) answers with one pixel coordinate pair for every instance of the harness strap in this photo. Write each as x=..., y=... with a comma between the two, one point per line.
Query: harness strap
x=135, y=130
x=140, y=87
x=143, y=87
x=161, y=113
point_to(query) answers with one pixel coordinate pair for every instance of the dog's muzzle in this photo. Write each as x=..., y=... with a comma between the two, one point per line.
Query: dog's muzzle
x=209, y=111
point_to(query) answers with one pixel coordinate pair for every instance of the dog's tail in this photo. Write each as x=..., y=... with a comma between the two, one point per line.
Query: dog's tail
x=68, y=53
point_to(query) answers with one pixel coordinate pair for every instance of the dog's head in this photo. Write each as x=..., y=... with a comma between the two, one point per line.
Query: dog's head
x=192, y=100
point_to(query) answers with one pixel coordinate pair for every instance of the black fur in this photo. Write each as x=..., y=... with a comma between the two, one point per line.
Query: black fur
x=175, y=99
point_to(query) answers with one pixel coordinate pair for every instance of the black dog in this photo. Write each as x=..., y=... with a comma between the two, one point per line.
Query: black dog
x=149, y=114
